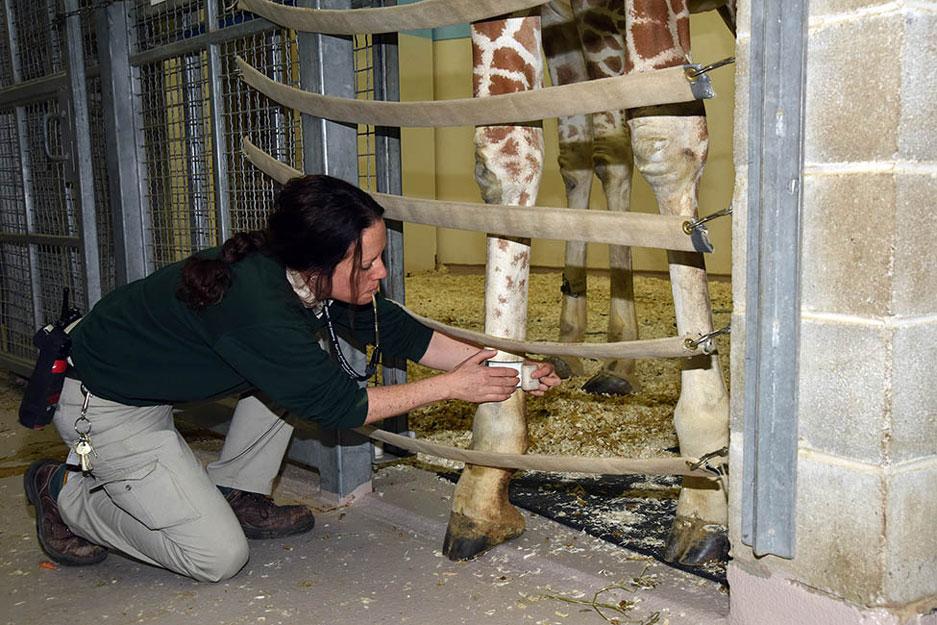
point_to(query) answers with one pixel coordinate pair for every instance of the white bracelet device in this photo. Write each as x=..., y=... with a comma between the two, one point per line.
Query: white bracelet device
x=524, y=371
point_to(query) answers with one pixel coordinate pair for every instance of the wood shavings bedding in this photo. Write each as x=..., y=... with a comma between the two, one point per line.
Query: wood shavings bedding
x=568, y=421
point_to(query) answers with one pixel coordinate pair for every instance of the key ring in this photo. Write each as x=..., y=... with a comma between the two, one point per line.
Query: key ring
x=84, y=412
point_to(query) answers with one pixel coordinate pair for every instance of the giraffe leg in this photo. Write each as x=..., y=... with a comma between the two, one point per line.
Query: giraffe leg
x=567, y=65
x=508, y=166
x=604, y=49
x=670, y=152
x=613, y=158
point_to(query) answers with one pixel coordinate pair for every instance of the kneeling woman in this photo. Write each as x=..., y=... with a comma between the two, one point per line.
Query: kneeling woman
x=242, y=317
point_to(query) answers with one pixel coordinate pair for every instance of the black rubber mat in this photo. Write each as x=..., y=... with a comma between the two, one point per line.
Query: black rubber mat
x=631, y=511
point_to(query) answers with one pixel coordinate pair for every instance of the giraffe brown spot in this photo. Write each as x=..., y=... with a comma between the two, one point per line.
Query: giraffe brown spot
x=565, y=75
x=491, y=29
x=509, y=148
x=510, y=282
x=523, y=199
x=506, y=58
x=527, y=36
x=521, y=257
x=497, y=134
x=614, y=65
x=651, y=10
x=502, y=84
x=503, y=245
x=651, y=40
x=678, y=6
x=513, y=169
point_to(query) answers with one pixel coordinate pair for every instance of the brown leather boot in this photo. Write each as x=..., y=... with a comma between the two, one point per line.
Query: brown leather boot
x=261, y=518
x=54, y=536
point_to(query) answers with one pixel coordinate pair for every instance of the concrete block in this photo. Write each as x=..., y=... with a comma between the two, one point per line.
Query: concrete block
x=910, y=539
x=737, y=372
x=848, y=242
x=840, y=525
x=853, y=101
x=843, y=386
x=914, y=402
x=740, y=240
x=915, y=289
x=742, y=86
x=777, y=600
x=918, y=132
x=828, y=7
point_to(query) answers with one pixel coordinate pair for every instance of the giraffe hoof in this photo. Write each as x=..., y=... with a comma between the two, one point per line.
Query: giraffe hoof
x=604, y=383
x=467, y=537
x=566, y=368
x=693, y=542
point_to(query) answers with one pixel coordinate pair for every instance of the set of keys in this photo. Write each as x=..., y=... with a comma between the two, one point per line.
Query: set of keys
x=83, y=448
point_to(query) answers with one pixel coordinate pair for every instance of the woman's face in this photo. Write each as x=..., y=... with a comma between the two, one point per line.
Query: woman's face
x=371, y=271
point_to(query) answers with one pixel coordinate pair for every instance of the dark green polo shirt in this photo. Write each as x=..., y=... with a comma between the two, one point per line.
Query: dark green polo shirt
x=141, y=346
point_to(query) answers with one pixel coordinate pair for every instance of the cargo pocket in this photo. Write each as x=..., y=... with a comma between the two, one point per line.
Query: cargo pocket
x=151, y=495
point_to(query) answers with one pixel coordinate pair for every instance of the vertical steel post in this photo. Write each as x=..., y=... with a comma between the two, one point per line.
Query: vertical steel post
x=199, y=230
x=326, y=65
x=82, y=150
x=124, y=140
x=389, y=180
x=219, y=142
x=775, y=155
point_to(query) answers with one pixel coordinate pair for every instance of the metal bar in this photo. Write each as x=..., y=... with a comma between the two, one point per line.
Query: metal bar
x=124, y=139
x=32, y=90
x=280, y=122
x=219, y=143
x=343, y=457
x=40, y=239
x=200, y=42
x=778, y=61
x=82, y=143
x=389, y=180
x=194, y=144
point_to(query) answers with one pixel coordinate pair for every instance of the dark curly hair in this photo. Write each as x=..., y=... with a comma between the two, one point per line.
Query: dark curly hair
x=316, y=219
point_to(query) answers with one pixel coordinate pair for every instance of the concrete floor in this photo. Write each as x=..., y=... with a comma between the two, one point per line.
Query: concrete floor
x=377, y=560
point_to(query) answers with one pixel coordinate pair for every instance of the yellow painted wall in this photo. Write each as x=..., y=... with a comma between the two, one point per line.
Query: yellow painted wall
x=440, y=163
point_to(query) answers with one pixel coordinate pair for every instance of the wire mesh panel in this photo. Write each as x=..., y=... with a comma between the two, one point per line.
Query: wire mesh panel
x=6, y=56
x=364, y=90
x=269, y=125
x=12, y=213
x=158, y=24
x=177, y=145
x=39, y=41
x=16, y=303
x=52, y=211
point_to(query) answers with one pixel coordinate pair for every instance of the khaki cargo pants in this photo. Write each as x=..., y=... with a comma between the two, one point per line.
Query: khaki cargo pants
x=150, y=498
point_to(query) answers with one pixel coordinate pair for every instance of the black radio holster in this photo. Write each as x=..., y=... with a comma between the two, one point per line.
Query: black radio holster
x=45, y=384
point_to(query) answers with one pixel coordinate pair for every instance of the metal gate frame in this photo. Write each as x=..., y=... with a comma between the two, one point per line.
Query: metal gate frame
x=60, y=241
x=121, y=180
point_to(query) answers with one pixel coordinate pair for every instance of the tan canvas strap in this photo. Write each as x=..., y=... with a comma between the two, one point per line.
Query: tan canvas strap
x=672, y=347
x=424, y=14
x=532, y=462
x=632, y=229
x=662, y=86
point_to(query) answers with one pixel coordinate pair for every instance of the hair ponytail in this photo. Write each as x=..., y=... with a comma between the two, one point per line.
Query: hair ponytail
x=205, y=280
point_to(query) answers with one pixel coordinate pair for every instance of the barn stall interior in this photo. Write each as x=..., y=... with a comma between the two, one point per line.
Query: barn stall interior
x=141, y=107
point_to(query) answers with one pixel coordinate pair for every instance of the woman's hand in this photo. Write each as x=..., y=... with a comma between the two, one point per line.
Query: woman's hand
x=545, y=374
x=471, y=380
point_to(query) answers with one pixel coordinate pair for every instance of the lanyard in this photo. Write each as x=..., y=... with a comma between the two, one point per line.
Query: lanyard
x=371, y=367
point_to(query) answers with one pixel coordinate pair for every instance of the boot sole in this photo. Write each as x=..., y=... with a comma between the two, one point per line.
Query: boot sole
x=253, y=533
x=29, y=485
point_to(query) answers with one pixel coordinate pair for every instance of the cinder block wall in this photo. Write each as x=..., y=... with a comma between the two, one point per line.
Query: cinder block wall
x=866, y=547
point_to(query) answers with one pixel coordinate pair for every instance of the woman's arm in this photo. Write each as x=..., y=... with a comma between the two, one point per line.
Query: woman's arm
x=469, y=380
x=445, y=353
